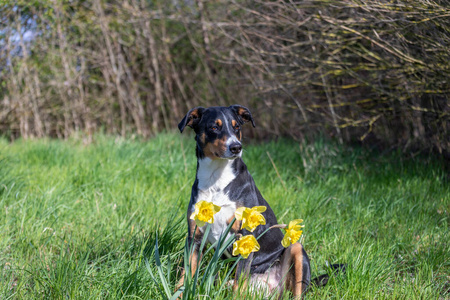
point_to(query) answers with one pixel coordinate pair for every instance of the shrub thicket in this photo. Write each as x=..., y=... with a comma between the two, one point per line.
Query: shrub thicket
x=374, y=71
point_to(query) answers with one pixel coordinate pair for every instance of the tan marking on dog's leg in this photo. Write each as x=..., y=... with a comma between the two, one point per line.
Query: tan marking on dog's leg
x=194, y=256
x=197, y=236
x=240, y=292
x=236, y=279
x=297, y=257
x=193, y=261
x=244, y=288
x=241, y=283
x=236, y=226
x=181, y=281
x=292, y=271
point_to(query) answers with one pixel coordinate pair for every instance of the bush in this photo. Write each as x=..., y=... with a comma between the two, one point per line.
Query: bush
x=373, y=71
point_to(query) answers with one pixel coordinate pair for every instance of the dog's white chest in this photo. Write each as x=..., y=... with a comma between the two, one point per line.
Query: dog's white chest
x=222, y=218
x=213, y=177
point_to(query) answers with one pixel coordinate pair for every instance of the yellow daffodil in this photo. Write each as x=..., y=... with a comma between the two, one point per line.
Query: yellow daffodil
x=204, y=213
x=246, y=245
x=293, y=233
x=251, y=217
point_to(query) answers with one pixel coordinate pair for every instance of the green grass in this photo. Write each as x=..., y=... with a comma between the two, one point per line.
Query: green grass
x=79, y=222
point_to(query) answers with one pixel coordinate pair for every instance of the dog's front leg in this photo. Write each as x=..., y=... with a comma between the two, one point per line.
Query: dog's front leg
x=242, y=277
x=243, y=267
x=194, y=240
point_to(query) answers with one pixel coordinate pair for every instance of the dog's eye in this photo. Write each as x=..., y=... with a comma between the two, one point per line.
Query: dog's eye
x=214, y=128
x=237, y=128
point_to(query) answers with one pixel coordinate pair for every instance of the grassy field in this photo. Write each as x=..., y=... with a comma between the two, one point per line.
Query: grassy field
x=79, y=222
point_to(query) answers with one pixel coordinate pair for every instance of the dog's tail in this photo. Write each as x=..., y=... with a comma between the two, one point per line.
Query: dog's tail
x=322, y=280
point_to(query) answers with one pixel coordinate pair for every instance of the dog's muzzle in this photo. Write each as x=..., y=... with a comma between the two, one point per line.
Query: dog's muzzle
x=235, y=148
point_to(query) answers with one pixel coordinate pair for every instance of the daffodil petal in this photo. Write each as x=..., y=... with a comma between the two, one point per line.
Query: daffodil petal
x=245, y=245
x=257, y=247
x=297, y=228
x=200, y=223
x=263, y=220
x=286, y=241
x=204, y=212
x=239, y=212
x=296, y=237
x=294, y=222
x=235, y=249
x=216, y=208
x=250, y=228
x=260, y=208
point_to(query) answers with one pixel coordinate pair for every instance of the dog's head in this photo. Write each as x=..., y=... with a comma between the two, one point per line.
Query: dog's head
x=218, y=130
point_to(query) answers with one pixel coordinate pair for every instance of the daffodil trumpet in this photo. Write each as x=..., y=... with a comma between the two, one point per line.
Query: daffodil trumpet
x=204, y=213
x=293, y=233
x=251, y=217
x=245, y=246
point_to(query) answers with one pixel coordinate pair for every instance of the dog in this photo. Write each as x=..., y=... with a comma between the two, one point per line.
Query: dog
x=223, y=179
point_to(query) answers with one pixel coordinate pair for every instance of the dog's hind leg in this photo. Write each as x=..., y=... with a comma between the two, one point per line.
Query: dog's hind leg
x=295, y=270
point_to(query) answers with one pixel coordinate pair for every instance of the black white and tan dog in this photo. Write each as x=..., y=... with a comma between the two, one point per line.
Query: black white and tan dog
x=223, y=179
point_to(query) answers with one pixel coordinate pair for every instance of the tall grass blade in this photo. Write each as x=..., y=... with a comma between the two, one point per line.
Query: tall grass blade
x=149, y=269
x=177, y=293
x=160, y=270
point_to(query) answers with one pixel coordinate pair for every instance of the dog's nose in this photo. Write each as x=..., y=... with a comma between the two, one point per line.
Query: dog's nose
x=235, y=148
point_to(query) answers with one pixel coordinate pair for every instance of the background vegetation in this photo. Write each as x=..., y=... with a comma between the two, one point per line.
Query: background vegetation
x=371, y=71
x=78, y=222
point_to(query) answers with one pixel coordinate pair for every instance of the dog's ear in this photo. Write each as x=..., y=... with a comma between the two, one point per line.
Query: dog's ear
x=243, y=113
x=192, y=118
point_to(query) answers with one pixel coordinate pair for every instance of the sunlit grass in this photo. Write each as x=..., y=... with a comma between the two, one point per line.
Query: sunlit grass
x=79, y=221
